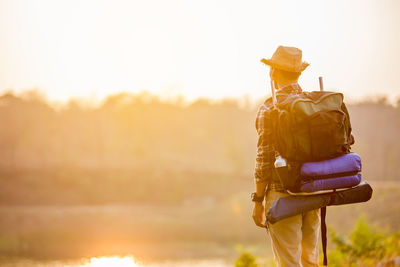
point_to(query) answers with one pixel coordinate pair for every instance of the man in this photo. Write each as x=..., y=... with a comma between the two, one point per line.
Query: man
x=295, y=239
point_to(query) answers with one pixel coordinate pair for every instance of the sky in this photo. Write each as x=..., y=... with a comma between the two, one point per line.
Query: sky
x=208, y=48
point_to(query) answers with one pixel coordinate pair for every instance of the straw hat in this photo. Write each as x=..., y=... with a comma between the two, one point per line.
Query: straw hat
x=287, y=58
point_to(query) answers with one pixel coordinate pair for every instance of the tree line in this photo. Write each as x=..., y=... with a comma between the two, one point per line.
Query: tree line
x=142, y=140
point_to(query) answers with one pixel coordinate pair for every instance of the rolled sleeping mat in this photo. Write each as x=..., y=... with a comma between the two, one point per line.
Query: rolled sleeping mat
x=289, y=206
x=331, y=183
x=347, y=163
x=361, y=193
x=293, y=205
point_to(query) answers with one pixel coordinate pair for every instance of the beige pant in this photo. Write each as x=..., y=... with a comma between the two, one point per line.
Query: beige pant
x=294, y=239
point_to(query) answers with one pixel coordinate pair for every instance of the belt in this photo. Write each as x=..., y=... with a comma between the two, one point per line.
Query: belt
x=276, y=186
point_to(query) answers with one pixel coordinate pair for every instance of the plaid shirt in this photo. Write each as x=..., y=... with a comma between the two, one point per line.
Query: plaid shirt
x=265, y=157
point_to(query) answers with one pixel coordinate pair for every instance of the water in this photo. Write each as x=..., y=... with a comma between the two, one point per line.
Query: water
x=113, y=261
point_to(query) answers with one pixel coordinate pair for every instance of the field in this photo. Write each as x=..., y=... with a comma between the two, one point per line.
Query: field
x=157, y=180
x=201, y=229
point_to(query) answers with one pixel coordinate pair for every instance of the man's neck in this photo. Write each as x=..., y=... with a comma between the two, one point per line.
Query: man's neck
x=280, y=85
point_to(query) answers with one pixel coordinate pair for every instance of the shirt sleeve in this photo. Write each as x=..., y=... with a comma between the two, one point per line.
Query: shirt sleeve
x=265, y=155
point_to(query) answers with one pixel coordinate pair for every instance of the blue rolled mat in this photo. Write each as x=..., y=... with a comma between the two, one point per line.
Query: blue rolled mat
x=331, y=183
x=346, y=163
x=293, y=205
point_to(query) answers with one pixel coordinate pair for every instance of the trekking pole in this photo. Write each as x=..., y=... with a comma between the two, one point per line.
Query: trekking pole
x=273, y=93
x=321, y=84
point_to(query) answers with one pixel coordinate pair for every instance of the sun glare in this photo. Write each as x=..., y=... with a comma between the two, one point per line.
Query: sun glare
x=112, y=261
x=92, y=48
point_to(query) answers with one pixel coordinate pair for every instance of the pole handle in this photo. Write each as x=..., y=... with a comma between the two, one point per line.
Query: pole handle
x=321, y=84
x=273, y=92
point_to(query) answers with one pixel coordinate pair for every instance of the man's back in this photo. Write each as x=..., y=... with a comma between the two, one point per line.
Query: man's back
x=265, y=157
x=295, y=239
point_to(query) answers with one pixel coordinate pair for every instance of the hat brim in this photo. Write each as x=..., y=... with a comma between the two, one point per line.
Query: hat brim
x=276, y=65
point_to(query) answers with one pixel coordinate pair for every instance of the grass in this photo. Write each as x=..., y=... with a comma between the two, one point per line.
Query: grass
x=199, y=228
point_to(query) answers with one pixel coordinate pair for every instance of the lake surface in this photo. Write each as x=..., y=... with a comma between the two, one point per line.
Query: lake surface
x=197, y=233
x=114, y=261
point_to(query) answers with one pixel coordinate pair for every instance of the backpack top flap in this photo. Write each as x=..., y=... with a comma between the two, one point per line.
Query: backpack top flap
x=304, y=107
x=311, y=126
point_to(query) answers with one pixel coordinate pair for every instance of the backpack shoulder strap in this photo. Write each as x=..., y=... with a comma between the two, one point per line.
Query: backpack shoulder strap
x=323, y=234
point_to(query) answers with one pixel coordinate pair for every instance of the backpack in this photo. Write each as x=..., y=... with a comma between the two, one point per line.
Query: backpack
x=311, y=126
x=313, y=129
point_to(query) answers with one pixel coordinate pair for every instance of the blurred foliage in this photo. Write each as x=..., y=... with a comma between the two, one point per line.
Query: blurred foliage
x=133, y=144
x=366, y=246
x=246, y=260
x=125, y=131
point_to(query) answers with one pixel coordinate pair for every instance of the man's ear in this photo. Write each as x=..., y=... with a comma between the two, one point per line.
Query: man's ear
x=276, y=85
x=271, y=73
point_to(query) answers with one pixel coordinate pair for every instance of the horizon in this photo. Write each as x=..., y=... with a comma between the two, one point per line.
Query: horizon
x=244, y=101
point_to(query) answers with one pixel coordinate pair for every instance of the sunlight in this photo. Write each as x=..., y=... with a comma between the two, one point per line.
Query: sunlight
x=112, y=261
x=208, y=48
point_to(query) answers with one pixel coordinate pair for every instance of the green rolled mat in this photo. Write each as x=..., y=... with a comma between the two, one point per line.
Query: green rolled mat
x=293, y=205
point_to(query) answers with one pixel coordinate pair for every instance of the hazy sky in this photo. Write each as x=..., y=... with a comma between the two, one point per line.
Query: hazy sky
x=196, y=48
